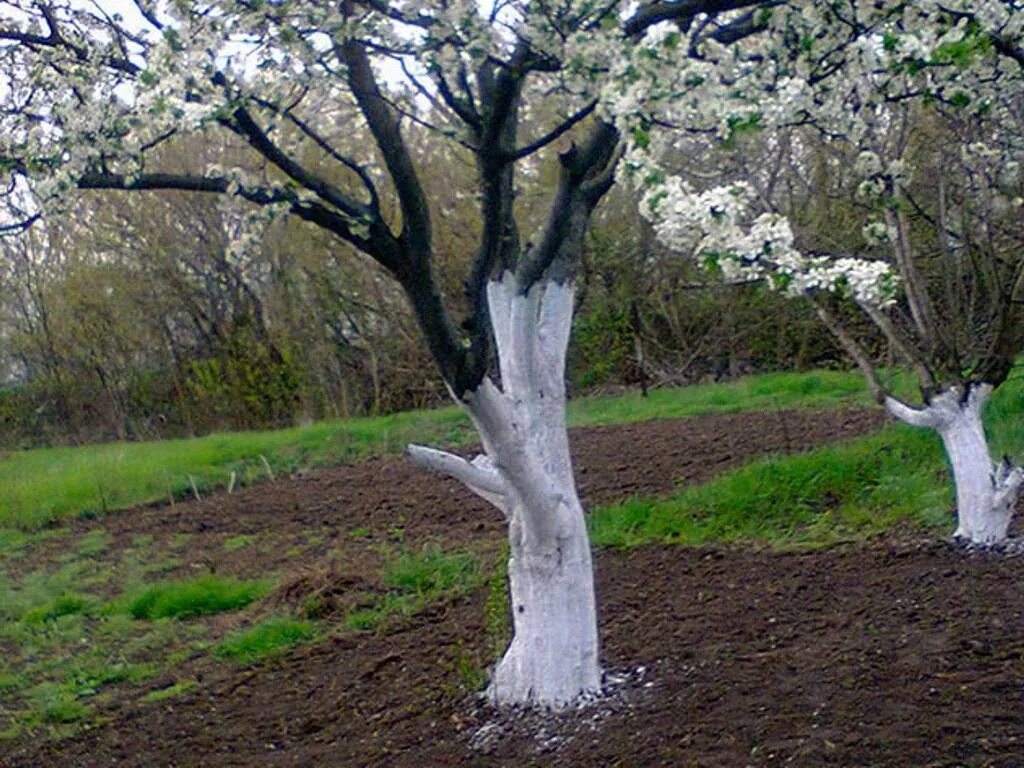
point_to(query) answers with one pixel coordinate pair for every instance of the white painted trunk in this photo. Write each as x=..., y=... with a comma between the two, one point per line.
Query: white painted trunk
x=526, y=472
x=986, y=491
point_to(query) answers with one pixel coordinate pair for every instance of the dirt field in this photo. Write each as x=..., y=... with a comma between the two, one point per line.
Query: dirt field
x=895, y=653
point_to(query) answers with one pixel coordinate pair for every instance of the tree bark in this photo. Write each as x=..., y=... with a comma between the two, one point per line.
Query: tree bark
x=526, y=472
x=986, y=491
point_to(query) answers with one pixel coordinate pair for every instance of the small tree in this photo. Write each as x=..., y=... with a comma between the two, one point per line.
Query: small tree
x=935, y=131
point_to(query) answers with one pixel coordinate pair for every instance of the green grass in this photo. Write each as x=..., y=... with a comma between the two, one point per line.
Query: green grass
x=431, y=571
x=415, y=580
x=854, y=489
x=266, y=639
x=193, y=597
x=64, y=641
x=171, y=691
x=53, y=703
x=42, y=591
x=42, y=486
x=812, y=390
x=859, y=488
x=242, y=540
x=67, y=604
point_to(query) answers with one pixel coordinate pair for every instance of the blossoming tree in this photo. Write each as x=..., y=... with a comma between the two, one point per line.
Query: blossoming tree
x=936, y=132
x=88, y=92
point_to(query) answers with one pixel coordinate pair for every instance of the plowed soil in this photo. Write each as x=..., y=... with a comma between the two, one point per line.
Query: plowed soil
x=889, y=653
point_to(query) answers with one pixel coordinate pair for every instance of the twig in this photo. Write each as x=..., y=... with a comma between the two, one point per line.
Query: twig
x=195, y=490
x=266, y=466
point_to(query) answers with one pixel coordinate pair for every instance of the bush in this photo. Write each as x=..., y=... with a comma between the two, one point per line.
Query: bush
x=194, y=597
x=266, y=639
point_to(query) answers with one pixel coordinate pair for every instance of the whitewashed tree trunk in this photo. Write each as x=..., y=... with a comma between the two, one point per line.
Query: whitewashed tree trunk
x=526, y=472
x=986, y=491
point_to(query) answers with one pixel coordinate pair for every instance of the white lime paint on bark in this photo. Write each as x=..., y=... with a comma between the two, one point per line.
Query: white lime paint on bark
x=986, y=491
x=526, y=472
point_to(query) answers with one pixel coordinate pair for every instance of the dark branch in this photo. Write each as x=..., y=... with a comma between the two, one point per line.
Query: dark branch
x=325, y=145
x=414, y=268
x=554, y=135
x=259, y=140
x=682, y=11
x=586, y=175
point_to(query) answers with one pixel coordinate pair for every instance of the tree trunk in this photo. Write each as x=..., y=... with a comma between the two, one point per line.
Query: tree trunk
x=986, y=491
x=526, y=472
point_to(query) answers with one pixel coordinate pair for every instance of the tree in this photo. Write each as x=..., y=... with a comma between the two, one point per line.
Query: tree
x=88, y=95
x=928, y=155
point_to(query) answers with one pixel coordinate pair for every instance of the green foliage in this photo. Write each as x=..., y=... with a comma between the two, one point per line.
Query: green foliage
x=859, y=488
x=415, y=581
x=171, y=691
x=432, y=571
x=603, y=346
x=194, y=597
x=266, y=639
x=976, y=43
x=44, y=485
x=248, y=384
x=63, y=605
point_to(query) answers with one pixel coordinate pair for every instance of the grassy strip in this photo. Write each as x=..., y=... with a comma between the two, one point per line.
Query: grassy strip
x=854, y=489
x=65, y=646
x=38, y=487
x=833, y=493
x=771, y=391
x=171, y=691
x=41, y=486
x=262, y=641
x=415, y=580
x=194, y=597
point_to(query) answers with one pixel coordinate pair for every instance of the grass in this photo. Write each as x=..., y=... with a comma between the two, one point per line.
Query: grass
x=40, y=487
x=242, y=540
x=171, y=691
x=269, y=638
x=48, y=676
x=837, y=492
x=71, y=628
x=431, y=571
x=772, y=391
x=850, y=490
x=67, y=604
x=415, y=580
x=194, y=597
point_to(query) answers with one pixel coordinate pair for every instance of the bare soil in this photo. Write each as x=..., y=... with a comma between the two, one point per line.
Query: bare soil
x=894, y=652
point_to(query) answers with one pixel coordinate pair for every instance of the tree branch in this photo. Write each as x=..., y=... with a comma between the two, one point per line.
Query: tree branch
x=682, y=12
x=321, y=142
x=924, y=374
x=259, y=140
x=856, y=352
x=386, y=133
x=379, y=245
x=585, y=176
x=479, y=475
x=566, y=126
